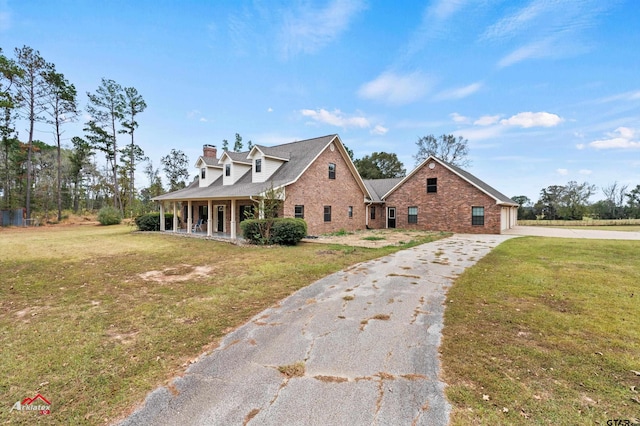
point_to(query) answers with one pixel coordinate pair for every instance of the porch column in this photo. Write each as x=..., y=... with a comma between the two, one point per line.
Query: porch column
x=233, y=219
x=162, y=216
x=189, y=218
x=175, y=217
x=209, y=218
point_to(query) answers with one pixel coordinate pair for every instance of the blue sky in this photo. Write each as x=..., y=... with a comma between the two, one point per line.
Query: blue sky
x=546, y=91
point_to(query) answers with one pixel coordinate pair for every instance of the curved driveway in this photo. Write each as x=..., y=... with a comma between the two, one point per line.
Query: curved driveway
x=364, y=342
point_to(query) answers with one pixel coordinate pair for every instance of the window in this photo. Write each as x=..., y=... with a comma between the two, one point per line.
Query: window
x=327, y=213
x=258, y=165
x=372, y=209
x=299, y=212
x=246, y=212
x=432, y=185
x=227, y=169
x=477, y=216
x=332, y=171
x=203, y=173
x=413, y=215
x=350, y=212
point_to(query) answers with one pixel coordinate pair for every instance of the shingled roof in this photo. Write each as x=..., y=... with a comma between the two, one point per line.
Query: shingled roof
x=300, y=154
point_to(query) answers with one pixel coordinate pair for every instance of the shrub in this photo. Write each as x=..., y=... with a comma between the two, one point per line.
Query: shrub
x=284, y=231
x=151, y=221
x=109, y=216
x=288, y=231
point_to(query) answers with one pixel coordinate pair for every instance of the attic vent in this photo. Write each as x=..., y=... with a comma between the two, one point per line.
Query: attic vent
x=332, y=147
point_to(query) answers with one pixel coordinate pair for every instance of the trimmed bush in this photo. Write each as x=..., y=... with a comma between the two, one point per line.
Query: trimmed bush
x=151, y=221
x=284, y=231
x=109, y=216
x=288, y=231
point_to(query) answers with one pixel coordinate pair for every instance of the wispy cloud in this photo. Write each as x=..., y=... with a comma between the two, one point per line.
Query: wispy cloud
x=396, y=89
x=336, y=118
x=379, y=130
x=585, y=172
x=459, y=92
x=562, y=172
x=487, y=120
x=433, y=24
x=458, y=118
x=546, y=29
x=308, y=29
x=532, y=119
x=621, y=138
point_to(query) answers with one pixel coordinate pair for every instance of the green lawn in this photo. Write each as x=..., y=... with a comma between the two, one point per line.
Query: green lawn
x=546, y=331
x=86, y=322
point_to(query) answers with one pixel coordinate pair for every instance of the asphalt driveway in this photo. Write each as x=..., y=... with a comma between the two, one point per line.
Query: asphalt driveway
x=358, y=347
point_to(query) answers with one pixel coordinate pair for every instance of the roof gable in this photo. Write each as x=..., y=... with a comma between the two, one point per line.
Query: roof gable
x=479, y=184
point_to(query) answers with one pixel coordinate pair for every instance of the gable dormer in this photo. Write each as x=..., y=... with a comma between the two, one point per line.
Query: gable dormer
x=234, y=166
x=208, y=168
x=265, y=161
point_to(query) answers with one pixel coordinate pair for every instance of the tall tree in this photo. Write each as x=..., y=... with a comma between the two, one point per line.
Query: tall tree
x=106, y=108
x=380, y=165
x=446, y=147
x=80, y=163
x=32, y=88
x=225, y=145
x=62, y=108
x=175, y=166
x=134, y=104
x=9, y=102
x=615, y=195
x=237, y=146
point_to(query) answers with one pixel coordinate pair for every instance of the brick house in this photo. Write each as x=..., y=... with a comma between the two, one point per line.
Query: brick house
x=318, y=182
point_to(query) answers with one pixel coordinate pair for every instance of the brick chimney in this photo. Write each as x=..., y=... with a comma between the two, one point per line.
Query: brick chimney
x=209, y=151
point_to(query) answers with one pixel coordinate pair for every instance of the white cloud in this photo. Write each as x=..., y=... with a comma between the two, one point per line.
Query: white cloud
x=203, y=120
x=379, y=130
x=547, y=28
x=335, y=118
x=269, y=109
x=480, y=133
x=458, y=118
x=396, y=89
x=580, y=146
x=562, y=172
x=622, y=137
x=487, y=120
x=532, y=119
x=585, y=171
x=308, y=29
x=460, y=92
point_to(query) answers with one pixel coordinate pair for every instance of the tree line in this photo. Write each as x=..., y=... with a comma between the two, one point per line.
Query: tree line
x=35, y=174
x=572, y=202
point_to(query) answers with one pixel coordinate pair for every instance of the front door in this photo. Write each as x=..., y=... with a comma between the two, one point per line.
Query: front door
x=220, y=219
x=391, y=217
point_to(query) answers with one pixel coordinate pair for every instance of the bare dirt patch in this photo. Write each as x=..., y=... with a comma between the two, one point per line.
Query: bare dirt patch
x=180, y=273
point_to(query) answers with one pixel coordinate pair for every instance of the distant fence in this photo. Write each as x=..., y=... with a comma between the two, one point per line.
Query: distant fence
x=587, y=222
x=11, y=217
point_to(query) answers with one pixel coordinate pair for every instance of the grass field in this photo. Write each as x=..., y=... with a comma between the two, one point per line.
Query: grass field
x=93, y=318
x=546, y=331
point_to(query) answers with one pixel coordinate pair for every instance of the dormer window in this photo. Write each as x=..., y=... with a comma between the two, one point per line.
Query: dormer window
x=203, y=173
x=227, y=169
x=332, y=170
x=258, y=165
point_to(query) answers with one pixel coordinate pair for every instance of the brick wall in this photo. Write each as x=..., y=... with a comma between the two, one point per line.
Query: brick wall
x=315, y=190
x=449, y=209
